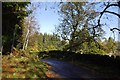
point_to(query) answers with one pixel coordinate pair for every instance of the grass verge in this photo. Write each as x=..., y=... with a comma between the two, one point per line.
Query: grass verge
x=23, y=65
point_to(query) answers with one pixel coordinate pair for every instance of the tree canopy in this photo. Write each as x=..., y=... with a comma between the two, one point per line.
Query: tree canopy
x=12, y=30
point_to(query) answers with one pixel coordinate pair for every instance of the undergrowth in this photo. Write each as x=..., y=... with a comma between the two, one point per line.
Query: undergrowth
x=22, y=64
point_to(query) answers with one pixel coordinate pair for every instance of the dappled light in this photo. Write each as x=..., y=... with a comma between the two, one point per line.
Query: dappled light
x=25, y=66
x=83, y=42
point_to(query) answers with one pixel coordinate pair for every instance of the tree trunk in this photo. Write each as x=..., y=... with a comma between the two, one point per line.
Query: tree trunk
x=26, y=40
x=13, y=38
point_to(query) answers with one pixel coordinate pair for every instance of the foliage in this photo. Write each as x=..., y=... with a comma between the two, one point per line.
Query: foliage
x=44, y=42
x=78, y=28
x=30, y=31
x=75, y=24
x=12, y=16
x=24, y=65
x=77, y=34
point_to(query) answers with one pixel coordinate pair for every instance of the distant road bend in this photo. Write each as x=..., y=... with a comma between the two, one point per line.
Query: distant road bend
x=61, y=69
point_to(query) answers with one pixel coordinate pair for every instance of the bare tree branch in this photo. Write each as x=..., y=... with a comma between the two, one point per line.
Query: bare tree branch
x=113, y=13
x=101, y=14
x=115, y=29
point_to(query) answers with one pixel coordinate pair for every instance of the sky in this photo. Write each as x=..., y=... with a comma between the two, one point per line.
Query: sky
x=47, y=18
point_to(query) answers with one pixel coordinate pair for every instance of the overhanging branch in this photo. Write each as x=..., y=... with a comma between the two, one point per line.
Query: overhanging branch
x=113, y=13
x=101, y=14
x=115, y=29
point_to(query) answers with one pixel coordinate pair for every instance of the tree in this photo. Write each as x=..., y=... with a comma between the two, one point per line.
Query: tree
x=107, y=6
x=49, y=42
x=30, y=28
x=112, y=44
x=75, y=23
x=12, y=16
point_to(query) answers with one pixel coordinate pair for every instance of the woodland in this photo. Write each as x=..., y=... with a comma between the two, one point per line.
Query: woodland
x=78, y=38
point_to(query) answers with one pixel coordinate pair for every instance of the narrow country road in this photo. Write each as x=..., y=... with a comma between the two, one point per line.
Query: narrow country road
x=61, y=69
